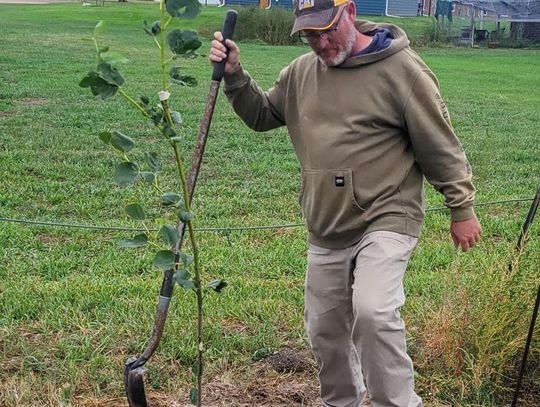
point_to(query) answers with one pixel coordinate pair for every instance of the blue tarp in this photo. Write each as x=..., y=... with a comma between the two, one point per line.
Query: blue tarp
x=444, y=8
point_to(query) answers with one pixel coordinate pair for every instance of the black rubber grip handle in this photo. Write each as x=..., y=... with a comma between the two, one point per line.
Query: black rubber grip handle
x=227, y=31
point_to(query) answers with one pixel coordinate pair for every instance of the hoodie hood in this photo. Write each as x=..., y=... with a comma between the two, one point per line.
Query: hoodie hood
x=399, y=42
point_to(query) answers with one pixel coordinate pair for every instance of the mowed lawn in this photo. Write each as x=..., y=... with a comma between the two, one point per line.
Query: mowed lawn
x=74, y=306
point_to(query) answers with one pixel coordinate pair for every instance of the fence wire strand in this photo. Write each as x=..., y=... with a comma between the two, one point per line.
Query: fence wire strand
x=216, y=229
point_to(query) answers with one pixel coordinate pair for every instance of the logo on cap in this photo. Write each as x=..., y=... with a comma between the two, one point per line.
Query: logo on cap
x=305, y=4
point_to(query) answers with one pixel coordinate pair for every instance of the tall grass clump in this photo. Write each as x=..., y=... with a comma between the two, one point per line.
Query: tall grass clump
x=435, y=35
x=271, y=26
x=471, y=342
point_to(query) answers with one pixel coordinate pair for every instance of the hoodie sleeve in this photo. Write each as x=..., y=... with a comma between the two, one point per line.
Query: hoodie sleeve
x=260, y=110
x=436, y=146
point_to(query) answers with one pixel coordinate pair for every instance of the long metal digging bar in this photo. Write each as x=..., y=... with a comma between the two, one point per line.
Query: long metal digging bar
x=134, y=368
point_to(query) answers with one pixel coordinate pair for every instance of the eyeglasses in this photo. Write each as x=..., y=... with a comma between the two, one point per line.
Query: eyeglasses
x=311, y=36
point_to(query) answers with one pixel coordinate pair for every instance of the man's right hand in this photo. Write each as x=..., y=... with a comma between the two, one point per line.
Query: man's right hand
x=218, y=52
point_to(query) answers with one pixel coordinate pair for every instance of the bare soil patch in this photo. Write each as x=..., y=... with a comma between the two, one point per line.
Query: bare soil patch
x=34, y=101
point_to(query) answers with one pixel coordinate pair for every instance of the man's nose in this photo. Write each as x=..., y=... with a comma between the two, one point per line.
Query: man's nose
x=321, y=42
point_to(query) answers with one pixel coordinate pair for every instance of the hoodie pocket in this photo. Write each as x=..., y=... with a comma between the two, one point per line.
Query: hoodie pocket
x=328, y=202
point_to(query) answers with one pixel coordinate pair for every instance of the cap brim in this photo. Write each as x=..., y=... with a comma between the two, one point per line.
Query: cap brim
x=317, y=20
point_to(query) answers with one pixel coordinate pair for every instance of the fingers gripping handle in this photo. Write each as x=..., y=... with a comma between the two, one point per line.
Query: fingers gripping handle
x=228, y=30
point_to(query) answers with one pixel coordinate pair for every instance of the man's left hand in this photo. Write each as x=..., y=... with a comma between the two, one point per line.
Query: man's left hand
x=466, y=233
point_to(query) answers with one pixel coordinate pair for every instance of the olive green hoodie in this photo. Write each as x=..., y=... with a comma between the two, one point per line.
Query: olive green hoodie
x=365, y=133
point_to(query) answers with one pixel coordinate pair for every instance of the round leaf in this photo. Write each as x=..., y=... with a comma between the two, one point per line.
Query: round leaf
x=183, y=42
x=110, y=74
x=121, y=142
x=182, y=278
x=186, y=259
x=183, y=8
x=169, y=235
x=168, y=131
x=185, y=216
x=135, y=211
x=126, y=174
x=176, y=117
x=170, y=199
x=138, y=241
x=148, y=177
x=98, y=85
x=153, y=162
x=113, y=58
x=164, y=260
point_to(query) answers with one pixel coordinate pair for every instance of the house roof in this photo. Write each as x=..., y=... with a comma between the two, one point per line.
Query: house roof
x=512, y=10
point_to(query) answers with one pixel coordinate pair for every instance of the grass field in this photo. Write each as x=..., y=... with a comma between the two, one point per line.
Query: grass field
x=73, y=306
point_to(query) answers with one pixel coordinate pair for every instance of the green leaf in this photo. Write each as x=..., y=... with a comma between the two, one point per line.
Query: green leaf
x=164, y=260
x=121, y=142
x=135, y=211
x=174, y=72
x=138, y=241
x=145, y=100
x=160, y=221
x=153, y=162
x=169, y=131
x=149, y=177
x=113, y=58
x=179, y=79
x=183, y=42
x=182, y=274
x=105, y=137
x=190, y=8
x=126, y=174
x=177, y=139
x=260, y=354
x=100, y=27
x=186, y=259
x=217, y=285
x=183, y=279
x=156, y=114
x=185, y=216
x=110, y=74
x=169, y=235
x=185, y=80
x=98, y=85
x=194, y=396
x=170, y=199
x=176, y=117
x=156, y=28
x=195, y=368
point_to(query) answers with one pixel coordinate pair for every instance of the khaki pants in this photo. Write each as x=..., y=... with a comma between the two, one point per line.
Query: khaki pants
x=353, y=297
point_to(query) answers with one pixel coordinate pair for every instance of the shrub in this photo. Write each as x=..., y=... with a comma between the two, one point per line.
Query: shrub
x=272, y=26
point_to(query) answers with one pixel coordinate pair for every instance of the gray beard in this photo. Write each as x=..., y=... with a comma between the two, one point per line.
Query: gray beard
x=345, y=53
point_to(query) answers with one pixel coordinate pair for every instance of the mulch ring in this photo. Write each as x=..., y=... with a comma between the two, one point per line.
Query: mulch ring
x=284, y=379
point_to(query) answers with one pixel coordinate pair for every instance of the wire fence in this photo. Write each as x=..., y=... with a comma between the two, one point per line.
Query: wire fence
x=217, y=229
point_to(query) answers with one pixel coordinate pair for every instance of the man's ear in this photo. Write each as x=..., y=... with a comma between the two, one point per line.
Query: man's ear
x=351, y=10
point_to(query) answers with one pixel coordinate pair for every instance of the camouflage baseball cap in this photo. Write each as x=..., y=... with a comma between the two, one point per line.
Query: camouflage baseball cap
x=315, y=14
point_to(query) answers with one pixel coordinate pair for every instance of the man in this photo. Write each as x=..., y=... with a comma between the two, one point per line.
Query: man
x=367, y=123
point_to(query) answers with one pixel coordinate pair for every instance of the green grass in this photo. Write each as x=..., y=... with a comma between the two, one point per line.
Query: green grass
x=73, y=306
